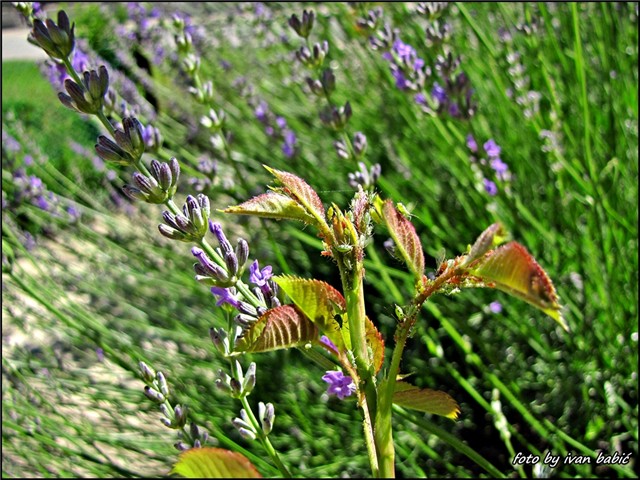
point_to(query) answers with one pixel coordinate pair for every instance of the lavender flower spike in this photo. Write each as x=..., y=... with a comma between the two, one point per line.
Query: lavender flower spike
x=225, y=296
x=216, y=229
x=339, y=384
x=492, y=148
x=259, y=277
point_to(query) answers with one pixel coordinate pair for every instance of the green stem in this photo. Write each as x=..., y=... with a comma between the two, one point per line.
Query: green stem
x=264, y=439
x=352, y=285
x=383, y=425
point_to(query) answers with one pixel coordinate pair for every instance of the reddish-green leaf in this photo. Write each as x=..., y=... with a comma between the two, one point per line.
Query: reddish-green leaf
x=425, y=400
x=376, y=343
x=512, y=269
x=302, y=193
x=280, y=327
x=490, y=238
x=319, y=301
x=407, y=242
x=210, y=462
x=273, y=205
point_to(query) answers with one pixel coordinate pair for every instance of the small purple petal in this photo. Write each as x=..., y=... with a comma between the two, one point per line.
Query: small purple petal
x=490, y=187
x=492, y=148
x=495, y=307
x=471, y=143
x=329, y=344
x=339, y=384
x=259, y=277
x=225, y=296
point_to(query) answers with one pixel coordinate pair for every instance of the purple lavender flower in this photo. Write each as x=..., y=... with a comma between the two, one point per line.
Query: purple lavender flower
x=261, y=111
x=420, y=99
x=439, y=93
x=73, y=212
x=10, y=143
x=500, y=168
x=471, y=143
x=281, y=122
x=225, y=296
x=490, y=187
x=100, y=354
x=259, y=277
x=329, y=344
x=28, y=160
x=495, y=307
x=401, y=80
x=492, y=148
x=41, y=202
x=339, y=384
x=289, y=146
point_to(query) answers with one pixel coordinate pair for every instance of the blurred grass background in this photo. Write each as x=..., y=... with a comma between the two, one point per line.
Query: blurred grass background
x=94, y=297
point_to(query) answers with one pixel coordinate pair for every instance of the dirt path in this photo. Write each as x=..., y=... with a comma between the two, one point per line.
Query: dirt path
x=16, y=47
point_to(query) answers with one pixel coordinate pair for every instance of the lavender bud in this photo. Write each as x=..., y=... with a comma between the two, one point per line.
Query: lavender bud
x=223, y=381
x=111, y=152
x=213, y=121
x=341, y=149
x=172, y=233
x=216, y=229
x=249, y=379
x=144, y=183
x=302, y=27
x=174, y=166
x=244, y=321
x=205, y=206
x=220, y=340
x=148, y=374
x=359, y=144
x=247, y=309
x=154, y=167
x=166, y=422
x=267, y=416
x=315, y=86
x=328, y=80
x=194, y=431
x=134, y=193
x=242, y=253
x=154, y=395
x=162, y=383
x=181, y=413
x=191, y=63
x=246, y=433
x=58, y=40
x=231, y=261
x=181, y=446
x=165, y=411
x=88, y=96
x=183, y=223
x=236, y=387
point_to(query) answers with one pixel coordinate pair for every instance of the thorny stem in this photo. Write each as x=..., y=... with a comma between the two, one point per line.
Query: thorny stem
x=352, y=285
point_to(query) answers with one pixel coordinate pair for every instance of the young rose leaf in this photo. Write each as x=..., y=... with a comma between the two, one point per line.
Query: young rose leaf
x=490, y=238
x=375, y=343
x=280, y=327
x=425, y=400
x=407, y=242
x=319, y=301
x=374, y=339
x=273, y=205
x=303, y=194
x=512, y=269
x=210, y=462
